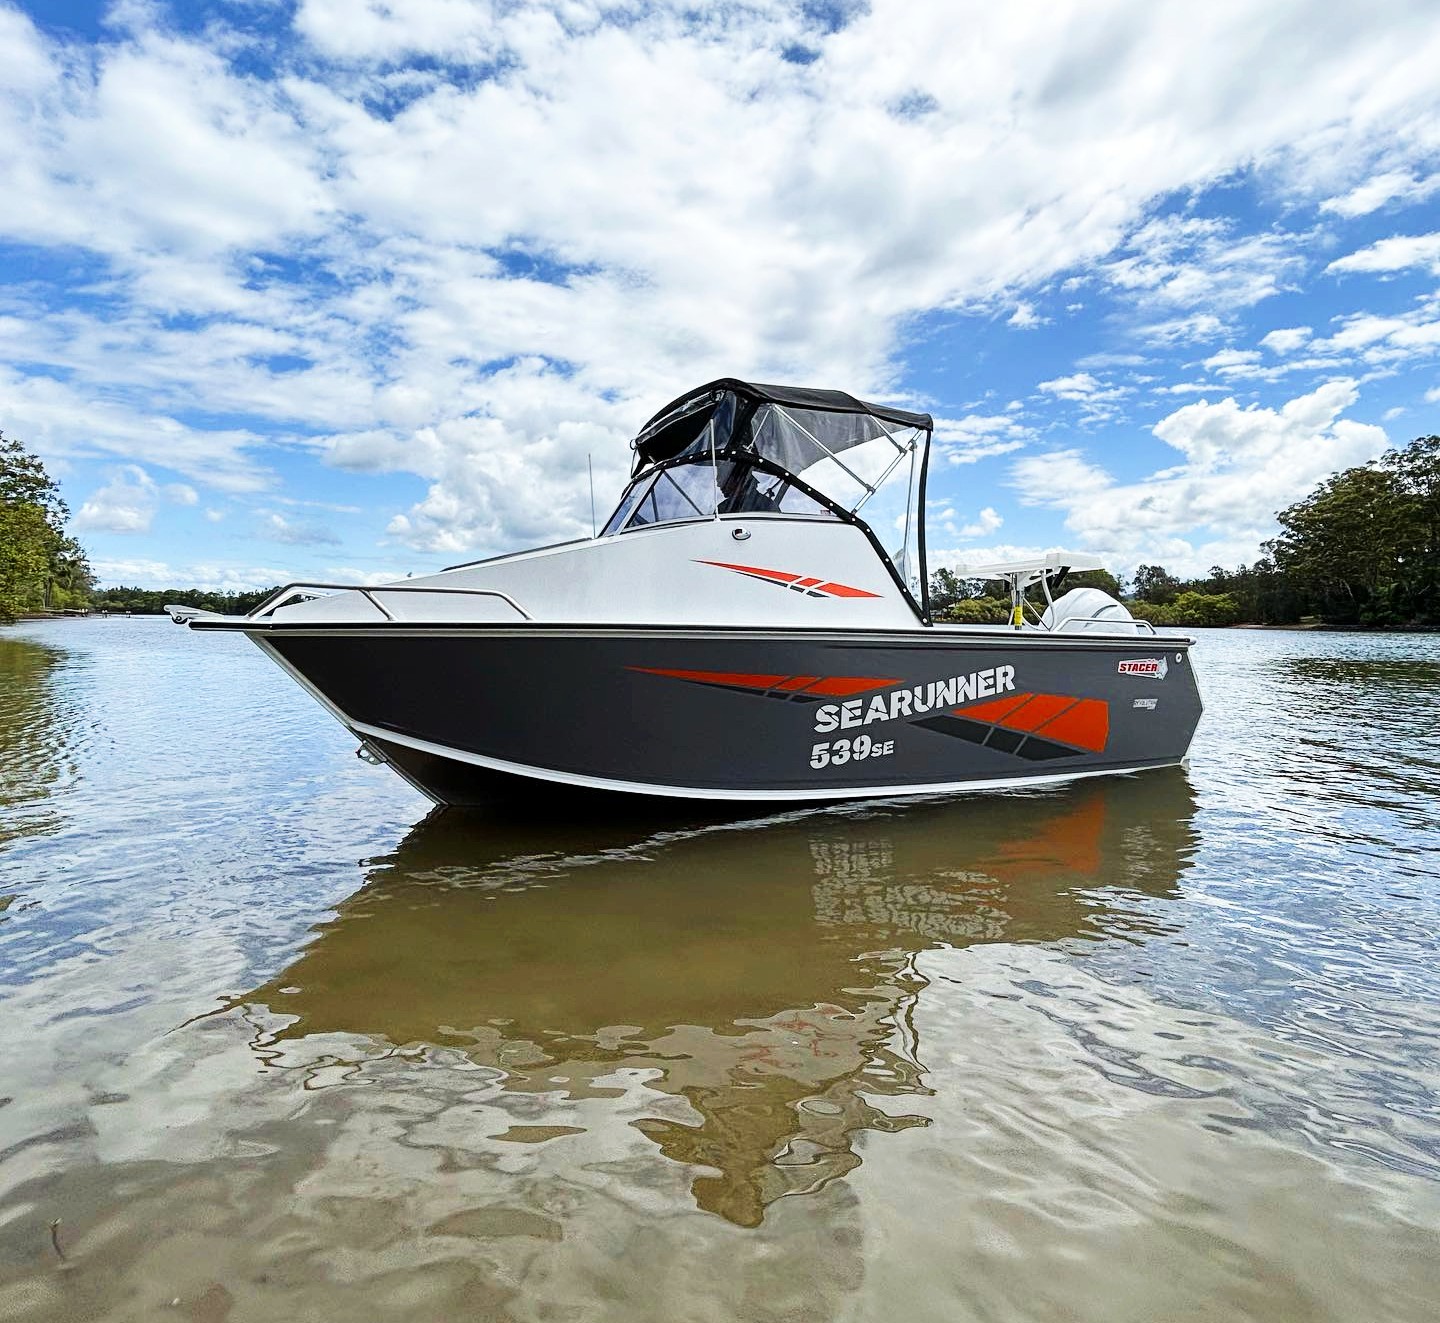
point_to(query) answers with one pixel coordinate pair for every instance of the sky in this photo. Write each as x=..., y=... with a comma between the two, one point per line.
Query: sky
x=349, y=289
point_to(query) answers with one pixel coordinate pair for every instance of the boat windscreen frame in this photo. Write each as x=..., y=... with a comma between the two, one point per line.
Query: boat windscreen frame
x=749, y=403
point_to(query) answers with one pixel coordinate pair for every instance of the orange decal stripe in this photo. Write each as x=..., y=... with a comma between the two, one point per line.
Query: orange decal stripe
x=797, y=682
x=1039, y=710
x=1086, y=725
x=842, y=686
x=994, y=710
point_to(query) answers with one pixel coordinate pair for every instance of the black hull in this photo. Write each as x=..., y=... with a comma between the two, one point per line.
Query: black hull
x=472, y=715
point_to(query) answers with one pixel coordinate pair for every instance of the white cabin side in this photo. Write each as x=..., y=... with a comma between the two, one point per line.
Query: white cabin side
x=747, y=570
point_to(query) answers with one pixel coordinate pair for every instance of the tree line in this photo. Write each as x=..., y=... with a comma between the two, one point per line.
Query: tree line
x=152, y=601
x=1361, y=551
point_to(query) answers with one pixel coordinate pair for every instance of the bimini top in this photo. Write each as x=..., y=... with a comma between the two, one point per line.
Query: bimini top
x=801, y=397
x=739, y=449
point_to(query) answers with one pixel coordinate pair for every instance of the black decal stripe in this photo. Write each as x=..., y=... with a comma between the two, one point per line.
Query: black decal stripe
x=1031, y=747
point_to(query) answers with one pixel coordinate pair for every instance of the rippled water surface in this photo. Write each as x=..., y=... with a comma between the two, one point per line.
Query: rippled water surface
x=277, y=1044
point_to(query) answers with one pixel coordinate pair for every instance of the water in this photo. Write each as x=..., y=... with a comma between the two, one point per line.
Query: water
x=275, y=1044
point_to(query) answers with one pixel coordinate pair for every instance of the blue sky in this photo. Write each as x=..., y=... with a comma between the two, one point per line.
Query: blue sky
x=344, y=289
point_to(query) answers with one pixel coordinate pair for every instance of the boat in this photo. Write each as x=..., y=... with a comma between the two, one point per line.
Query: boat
x=752, y=623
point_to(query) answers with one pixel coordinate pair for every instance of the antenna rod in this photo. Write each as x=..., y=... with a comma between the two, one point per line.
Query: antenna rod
x=590, y=464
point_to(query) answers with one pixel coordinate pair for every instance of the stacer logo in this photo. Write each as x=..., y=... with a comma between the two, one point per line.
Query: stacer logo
x=1153, y=667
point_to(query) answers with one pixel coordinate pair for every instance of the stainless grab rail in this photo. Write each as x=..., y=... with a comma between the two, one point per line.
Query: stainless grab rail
x=282, y=596
x=1103, y=620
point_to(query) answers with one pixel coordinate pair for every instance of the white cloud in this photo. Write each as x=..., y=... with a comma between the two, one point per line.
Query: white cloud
x=275, y=527
x=62, y=420
x=1401, y=186
x=1385, y=340
x=979, y=436
x=1230, y=359
x=1286, y=340
x=179, y=493
x=207, y=576
x=1111, y=360
x=368, y=578
x=1241, y=465
x=1025, y=317
x=1190, y=262
x=371, y=30
x=1394, y=254
x=1080, y=386
x=1098, y=399
x=1433, y=396
x=126, y=504
x=986, y=522
x=1193, y=329
x=942, y=521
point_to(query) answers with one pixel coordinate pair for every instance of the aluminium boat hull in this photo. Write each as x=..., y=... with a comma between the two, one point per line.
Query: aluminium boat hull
x=464, y=712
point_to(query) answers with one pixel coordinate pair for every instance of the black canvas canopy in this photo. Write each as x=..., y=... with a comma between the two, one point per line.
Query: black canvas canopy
x=663, y=443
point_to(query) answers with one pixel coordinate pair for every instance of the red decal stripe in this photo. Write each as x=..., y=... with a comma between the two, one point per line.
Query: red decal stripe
x=827, y=587
x=778, y=576
x=832, y=686
x=842, y=686
x=844, y=590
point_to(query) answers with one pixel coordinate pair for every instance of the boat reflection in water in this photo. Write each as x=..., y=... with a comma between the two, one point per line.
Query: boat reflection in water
x=763, y=971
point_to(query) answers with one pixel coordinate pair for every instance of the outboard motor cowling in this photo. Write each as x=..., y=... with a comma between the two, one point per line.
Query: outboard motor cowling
x=1088, y=609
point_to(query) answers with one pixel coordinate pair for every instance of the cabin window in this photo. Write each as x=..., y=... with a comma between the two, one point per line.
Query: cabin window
x=691, y=491
x=748, y=490
x=684, y=491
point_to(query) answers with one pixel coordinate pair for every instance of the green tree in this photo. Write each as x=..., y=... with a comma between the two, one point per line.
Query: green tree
x=1415, y=593
x=1101, y=579
x=947, y=588
x=977, y=611
x=1203, y=609
x=36, y=556
x=71, y=581
x=1364, y=547
x=1153, y=583
x=26, y=539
